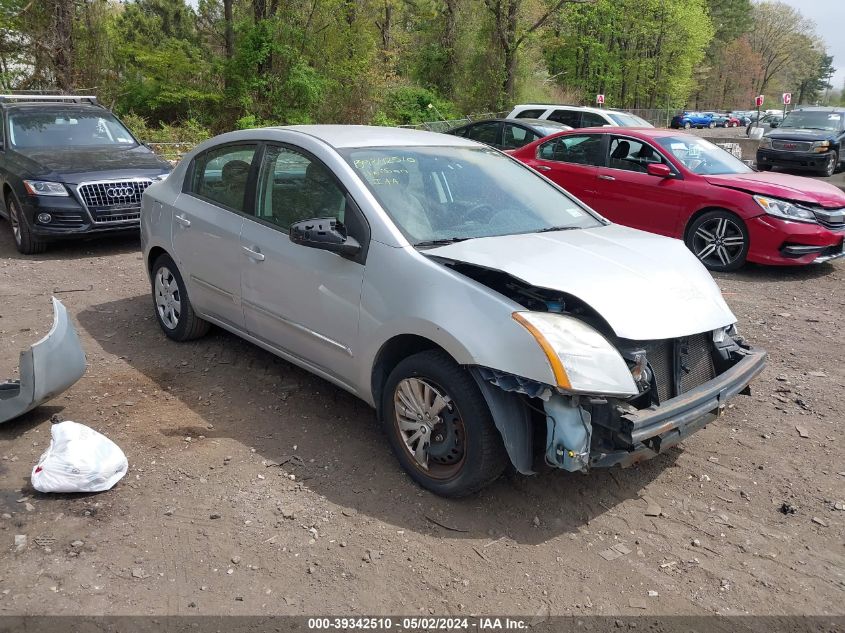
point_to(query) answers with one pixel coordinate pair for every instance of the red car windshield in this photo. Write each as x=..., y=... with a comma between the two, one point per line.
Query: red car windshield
x=702, y=157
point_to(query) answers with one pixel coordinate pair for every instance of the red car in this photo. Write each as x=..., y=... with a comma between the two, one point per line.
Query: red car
x=682, y=186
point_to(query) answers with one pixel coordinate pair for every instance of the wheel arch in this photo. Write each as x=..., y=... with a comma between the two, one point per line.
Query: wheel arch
x=704, y=210
x=152, y=256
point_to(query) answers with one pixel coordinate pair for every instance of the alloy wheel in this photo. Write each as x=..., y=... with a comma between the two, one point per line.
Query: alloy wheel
x=167, y=297
x=718, y=242
x=430, y=426
x=15, y=221
x=830, y=168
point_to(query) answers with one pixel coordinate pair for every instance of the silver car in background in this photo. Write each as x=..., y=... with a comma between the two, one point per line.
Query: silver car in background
x=489, y=317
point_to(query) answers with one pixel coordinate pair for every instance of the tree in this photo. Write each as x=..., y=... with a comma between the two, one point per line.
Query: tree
x=780, y=34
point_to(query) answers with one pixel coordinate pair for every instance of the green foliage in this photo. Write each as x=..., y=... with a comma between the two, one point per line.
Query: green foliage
x=189, y=132
x=408, y=105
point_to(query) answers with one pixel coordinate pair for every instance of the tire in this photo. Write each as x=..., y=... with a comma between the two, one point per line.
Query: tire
x=25, y=241
x=687, y=125
x=726, y=233
x=711, y=125
x=831, y=166
x=172, y=307
x=764, y=168
x=464, y=451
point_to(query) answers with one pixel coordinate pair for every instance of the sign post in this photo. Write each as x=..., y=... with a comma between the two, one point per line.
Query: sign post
x=787, y=99
x=758, y=101
x=600, y=100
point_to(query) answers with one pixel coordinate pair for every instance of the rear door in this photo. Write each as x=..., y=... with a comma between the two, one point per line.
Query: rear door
x=207, y=224
x=627, y=194
x=488, y=132
x=515, y=136
x=573, y=162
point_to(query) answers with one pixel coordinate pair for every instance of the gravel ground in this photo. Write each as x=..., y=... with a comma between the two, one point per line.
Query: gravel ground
x=255, y=488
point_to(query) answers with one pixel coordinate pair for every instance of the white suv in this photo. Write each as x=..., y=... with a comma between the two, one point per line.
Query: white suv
x=578, y=116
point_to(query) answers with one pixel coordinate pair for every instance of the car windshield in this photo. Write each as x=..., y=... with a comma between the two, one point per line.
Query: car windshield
x=548, y=128
x=628, y=120
x=442, y=194
x=813, y=120
x=66, y=128
x=702, y=157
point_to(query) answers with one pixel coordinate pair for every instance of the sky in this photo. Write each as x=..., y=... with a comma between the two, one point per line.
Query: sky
x=829, y=16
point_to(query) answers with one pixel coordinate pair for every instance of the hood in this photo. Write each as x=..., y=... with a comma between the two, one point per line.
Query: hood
x=785, y=186
x=645, y=286
x=800, y=134
x=76, y=165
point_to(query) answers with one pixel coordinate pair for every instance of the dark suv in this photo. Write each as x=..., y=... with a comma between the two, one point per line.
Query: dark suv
x=807, y=138
x=69, y=168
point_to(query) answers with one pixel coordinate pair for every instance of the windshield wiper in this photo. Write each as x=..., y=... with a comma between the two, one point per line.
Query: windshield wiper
x=549, y=229
x=441, y=242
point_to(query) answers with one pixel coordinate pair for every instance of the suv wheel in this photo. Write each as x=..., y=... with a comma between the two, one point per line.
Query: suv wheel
x=173, y=309
x=440, y=427
x=719, y=239
x=25, y=241
x=831, y=165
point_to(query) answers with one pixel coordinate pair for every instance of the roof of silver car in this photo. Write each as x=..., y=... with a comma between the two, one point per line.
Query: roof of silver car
x=340, y=136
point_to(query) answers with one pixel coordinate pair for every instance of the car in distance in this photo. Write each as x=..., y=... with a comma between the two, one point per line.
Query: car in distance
x=487, y=315
x=687, y=120
x=69, y=168
x=765, y=122
x=683, y=186
x=807, y=138
x=719, y=120
x=578, y=116
x=507, y=134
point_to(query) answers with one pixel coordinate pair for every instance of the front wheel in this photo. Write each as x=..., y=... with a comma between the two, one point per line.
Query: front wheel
x=711, y=125
x=173, y=309
x=440, y=426
x=687, y=125
x=25, y=241
x=831, y=165
x=719, y=239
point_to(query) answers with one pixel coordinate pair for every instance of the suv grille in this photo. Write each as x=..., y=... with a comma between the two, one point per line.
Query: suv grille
x=114, y=201
x=793, y=146
x=696, y=364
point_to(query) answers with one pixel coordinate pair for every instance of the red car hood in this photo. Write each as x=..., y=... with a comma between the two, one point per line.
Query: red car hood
x=785, y=186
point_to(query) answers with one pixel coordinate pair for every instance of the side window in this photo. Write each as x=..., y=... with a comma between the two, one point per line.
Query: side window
x=220, y=175
x=485, y=133
x=530, y=114
x=293, y=187
x=581, y=150
x=514, y=136
x=632, y=155
x=591, y=119
x=572, y=118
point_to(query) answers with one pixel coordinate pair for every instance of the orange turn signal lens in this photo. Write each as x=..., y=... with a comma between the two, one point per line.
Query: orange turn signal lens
x=557, y=367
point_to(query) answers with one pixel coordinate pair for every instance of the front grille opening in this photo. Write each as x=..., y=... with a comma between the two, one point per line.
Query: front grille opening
x=680, y=365
x=119, y=194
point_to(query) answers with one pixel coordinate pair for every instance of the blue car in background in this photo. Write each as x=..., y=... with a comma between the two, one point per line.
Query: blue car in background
x=692, y=119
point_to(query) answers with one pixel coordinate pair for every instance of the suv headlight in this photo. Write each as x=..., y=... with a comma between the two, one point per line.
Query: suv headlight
x=820, y=147
x=582, y=360
x=785, y=210
x=765, y=143
x=44, y=188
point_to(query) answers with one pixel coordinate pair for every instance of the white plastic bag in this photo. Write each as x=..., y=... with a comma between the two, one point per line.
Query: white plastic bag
x=78, y=460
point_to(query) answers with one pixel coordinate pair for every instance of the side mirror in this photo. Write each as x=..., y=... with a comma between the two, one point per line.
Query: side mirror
x=327, y=234
x=659, y=169
x=774, y=124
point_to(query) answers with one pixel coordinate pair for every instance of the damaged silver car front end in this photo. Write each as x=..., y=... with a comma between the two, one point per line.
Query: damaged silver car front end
x=49, y=367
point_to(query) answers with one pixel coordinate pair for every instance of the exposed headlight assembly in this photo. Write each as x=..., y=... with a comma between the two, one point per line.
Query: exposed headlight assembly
x=785, y=210
x=765, y=143
x=820, y=147
x=581, y=359
x=44, y=188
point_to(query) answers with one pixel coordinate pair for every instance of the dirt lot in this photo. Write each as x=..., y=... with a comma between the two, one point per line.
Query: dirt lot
x=207, y=522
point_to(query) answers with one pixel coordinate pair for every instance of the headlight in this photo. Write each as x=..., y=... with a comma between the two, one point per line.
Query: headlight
x=43, y=188
x=765, y=143
x=582, y=360
x=785, y=210
x=820, y=147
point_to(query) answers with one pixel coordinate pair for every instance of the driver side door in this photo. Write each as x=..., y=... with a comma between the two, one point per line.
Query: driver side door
x=302, y=301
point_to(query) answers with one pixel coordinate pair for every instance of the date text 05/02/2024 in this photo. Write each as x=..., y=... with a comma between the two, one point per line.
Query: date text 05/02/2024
x=418, y=623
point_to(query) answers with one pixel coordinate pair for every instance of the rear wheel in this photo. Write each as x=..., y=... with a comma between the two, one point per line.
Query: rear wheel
x=712, y=125
x=687, y=125
x=719, y=239
x=440, y=427
x=173, y=309
x=25, y=241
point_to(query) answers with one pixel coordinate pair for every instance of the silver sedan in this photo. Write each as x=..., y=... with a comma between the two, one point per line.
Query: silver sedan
x=488, y=316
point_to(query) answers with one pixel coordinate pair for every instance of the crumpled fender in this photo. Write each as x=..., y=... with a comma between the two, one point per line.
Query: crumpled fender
x=48, y=368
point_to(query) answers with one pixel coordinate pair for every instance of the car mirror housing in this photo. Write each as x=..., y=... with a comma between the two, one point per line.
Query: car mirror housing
x=328, y=234
x=660, y=170
x=774, y=124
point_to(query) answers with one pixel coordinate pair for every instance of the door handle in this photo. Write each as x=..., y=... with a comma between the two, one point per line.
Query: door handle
x=252, y=253
x=543, y=168
x=605, y=177
x=181, y=219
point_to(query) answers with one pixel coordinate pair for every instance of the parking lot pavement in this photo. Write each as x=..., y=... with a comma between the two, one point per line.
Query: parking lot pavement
x=255, y=487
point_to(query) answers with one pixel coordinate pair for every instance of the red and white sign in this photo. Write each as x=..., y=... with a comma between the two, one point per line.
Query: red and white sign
x=787, y=98
x=758, y=101
x=600, y=99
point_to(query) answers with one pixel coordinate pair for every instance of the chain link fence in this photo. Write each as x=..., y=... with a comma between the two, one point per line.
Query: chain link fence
x=449, y=124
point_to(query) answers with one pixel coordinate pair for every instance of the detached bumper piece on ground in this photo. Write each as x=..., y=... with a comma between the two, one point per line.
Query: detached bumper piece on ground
x=48, y=368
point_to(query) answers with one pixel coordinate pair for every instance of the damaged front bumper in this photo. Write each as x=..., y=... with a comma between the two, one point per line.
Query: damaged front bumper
x=47, y=368
x=646, y=432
